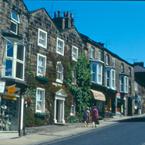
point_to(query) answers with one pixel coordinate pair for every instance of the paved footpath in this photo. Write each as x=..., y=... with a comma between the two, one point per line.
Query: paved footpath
x=53, y=132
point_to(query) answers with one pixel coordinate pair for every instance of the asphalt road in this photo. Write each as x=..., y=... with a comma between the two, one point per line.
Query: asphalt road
x=126, y=132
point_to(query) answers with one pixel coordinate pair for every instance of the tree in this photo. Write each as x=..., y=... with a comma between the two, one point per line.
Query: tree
x=81, y=91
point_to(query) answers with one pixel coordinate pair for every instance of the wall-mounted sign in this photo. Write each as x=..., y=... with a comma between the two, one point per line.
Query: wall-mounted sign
x=2, y=86
x=11, y=89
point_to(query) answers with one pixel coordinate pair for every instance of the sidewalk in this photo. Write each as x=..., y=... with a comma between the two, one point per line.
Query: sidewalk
x=55, y=132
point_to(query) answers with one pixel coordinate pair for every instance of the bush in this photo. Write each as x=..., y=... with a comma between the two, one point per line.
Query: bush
x=72, y=119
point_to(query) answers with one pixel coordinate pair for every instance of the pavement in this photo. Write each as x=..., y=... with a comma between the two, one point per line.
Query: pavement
x=50, y=133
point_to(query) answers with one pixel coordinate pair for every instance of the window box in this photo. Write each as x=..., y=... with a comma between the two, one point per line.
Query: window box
x=42, y=79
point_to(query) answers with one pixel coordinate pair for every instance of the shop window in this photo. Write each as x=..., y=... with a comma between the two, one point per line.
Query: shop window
x=60, y=46
x=41, y=65
x=74, y=53
x=42, y=38
x=40, y=100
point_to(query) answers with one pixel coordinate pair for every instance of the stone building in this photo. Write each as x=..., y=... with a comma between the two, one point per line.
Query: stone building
x=13, y=45
x=112, y=79
x=54, y=46
x=36, y=55
x=139, y=100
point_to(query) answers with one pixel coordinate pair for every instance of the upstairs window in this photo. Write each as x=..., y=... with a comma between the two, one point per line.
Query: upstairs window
x=59, y=72
x=107, y=59
x=126, y=85
x=41, y=65
x=113, y=62
x=60, y=46
x=113, y=79
x=40, y=100
x=99, y=73
x=108, y=78
x=74, y=53
x=93, y=72
x=92, y=52
x=100, y=55
x=15, y=20
x=42, y=38
x=121, y=83
x=122, y=68
x=15, y=61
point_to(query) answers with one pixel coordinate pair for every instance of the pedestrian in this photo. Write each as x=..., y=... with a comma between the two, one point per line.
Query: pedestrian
x=95, y=116
x=86, y=116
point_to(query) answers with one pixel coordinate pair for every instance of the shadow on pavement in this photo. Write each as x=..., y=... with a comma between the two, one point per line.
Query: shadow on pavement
x=137, y=119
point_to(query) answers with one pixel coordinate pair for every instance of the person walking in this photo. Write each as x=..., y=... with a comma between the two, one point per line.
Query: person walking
x=95, y=116
x=86, y=116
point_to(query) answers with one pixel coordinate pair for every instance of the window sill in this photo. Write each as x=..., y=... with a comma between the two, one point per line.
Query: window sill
x=42, y=79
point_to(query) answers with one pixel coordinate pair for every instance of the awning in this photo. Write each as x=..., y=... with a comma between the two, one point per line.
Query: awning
x=98, y=95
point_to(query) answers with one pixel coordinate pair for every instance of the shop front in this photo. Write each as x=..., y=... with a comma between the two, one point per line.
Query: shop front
x=11, y=107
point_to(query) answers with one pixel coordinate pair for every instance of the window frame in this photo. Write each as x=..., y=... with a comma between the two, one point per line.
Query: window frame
x=99, y=73
x=59, y=80
x=93, y=72
x=92, y=55
x=108, y=78
x=113, y=79
x=43, y=101
x=41, y=55
x=15, y=22
x=40, y=44
x=57, y=50
x=15, y=60
x=76, y=55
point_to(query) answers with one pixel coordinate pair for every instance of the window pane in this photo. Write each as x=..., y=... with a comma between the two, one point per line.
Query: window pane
x=9, y=49
x=19, y=70
x=8, y=70
x=14, y=16
x=20, y=52
x=13, y=27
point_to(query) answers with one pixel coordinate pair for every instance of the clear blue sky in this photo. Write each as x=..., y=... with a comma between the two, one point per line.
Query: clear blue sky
x=119, y=25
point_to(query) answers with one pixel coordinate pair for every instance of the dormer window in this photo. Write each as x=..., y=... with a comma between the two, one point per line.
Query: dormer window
x=15, y=20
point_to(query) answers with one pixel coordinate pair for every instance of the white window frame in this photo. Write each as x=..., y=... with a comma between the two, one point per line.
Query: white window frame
x=121, y=83
x=92, y=52
x=93, y=72
x=16, y=22
x=14, y=62
x=40, y=44
x=107, y=59
x=126, y=84
x=57, y=47
x=74, y=55
x=99, y=73
x=43, y=101
x=108, y=78
x=40, y=55
x=57, y=79
x=113, y=62
x=113, y=79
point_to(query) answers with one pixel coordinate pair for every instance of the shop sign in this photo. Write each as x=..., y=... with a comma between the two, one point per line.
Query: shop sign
x=2, y=86
x=11, y=90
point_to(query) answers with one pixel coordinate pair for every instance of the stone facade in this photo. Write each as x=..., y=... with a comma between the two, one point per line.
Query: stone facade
x=52, y=46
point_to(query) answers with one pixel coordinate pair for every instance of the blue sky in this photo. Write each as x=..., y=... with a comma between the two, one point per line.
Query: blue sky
x=119, y=25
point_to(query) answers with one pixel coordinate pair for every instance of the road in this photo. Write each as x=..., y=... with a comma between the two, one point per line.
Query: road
x=126, y=132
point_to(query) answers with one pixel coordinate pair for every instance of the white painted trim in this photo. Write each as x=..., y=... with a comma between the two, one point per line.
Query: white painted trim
x=40, y=55
x=58, y=52
x=40, y=111
x=39, y=44
x=76, y=48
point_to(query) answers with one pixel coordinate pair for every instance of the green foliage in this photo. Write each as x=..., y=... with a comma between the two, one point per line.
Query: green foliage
x=81, y=91
x=72, y=119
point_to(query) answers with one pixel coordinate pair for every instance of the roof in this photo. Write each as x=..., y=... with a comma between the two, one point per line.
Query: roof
x=101, y=45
